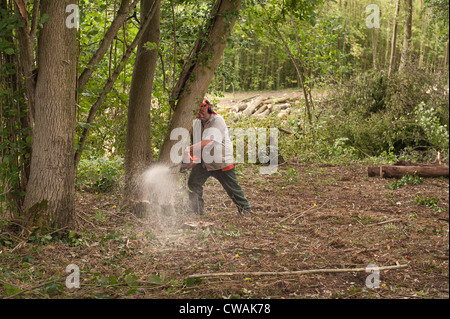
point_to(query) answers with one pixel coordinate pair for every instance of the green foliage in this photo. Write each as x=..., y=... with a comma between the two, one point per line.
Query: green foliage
x=425, y=201
x=100, y=174
x=428, y=120
x=406, y=180
x=440, y=9
x=14, y=131
x=377, y=114
x=431, y=202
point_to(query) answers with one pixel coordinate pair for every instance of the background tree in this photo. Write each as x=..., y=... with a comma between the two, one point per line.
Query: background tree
x=407, y=34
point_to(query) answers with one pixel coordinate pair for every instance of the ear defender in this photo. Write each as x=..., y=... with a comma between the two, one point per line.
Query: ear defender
x=206, y=103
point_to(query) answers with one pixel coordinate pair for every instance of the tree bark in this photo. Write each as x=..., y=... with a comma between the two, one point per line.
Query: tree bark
x=253, y=105
x=138, y=154
x=400, y=171
x=52, y=171
x=27, y=39
x=407, y=34
x=394, y=39
x=199, y=70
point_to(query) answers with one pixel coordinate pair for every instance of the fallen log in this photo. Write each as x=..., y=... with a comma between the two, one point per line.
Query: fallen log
x=388, y=171
x=282, y=106
x=240, y=107
x=284, y=113
x=253, y=105
x=262, y=109
x=247, y=99
x=268, y=110
x=280, y=100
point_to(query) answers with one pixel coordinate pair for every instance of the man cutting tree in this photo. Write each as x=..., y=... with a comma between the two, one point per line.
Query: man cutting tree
x=212, y=155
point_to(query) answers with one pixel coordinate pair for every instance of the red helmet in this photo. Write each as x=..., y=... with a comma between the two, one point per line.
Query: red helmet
x=208, y=106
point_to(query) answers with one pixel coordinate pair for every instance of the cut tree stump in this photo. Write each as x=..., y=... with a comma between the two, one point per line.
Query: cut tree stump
x=396, y=171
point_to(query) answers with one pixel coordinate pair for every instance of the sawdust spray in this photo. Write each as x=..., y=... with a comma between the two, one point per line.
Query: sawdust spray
x=166, y=197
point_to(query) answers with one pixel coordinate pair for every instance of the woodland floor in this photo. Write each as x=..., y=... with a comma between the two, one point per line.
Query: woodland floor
x=322, y=217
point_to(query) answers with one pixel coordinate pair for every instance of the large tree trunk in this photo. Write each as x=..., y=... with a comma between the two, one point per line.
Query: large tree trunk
x=52, y=168
x=138, y=153
x=199, y=71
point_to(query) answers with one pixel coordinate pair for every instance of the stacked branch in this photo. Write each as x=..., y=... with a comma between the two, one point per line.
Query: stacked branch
x=260, y=106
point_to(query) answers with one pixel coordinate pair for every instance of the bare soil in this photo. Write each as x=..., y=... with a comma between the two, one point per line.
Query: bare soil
x=306, y=217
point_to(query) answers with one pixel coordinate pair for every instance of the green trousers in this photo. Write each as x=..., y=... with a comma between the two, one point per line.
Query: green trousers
x=229, y=181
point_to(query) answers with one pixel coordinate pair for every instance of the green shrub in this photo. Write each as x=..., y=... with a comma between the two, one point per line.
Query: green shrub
x=376, y=114
x=100, y=174
x=408, y=179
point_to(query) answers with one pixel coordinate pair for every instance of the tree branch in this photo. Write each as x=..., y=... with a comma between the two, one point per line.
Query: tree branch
x=110, y=83
x=300, y=272
x=26, y=45
x=34, y=22
x=114, y=28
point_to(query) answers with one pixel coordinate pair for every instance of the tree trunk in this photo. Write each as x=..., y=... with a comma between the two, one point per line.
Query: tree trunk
x=423, y=34
x=138, y=154
x=52, y=168
x=406, y=35
x=394, y=39
x=444, y=64
x=400, y=171
x=27, y=38
x=199, y=70
x=374, y=48
x=299, y=73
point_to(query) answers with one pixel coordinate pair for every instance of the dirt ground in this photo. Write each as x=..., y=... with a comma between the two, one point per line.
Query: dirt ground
x=307, y=217
x=322, y=217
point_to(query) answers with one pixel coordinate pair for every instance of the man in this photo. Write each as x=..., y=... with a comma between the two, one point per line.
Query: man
x=213, y=149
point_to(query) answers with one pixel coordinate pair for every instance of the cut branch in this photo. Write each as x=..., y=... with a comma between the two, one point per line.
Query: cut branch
x=300, y=272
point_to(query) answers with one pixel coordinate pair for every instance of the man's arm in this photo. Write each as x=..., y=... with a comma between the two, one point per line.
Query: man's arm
x=200, y=145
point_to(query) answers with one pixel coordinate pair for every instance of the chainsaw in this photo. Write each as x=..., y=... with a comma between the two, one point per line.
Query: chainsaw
x=189, y=161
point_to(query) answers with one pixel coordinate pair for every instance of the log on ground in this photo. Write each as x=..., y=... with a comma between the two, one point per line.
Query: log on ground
x=387, y=171
x=253, y=105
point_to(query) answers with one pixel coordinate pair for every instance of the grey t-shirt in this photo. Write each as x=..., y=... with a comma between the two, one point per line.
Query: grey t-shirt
x=219, y=154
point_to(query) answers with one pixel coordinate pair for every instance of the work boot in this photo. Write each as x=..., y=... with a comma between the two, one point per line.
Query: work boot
x=246, y=214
